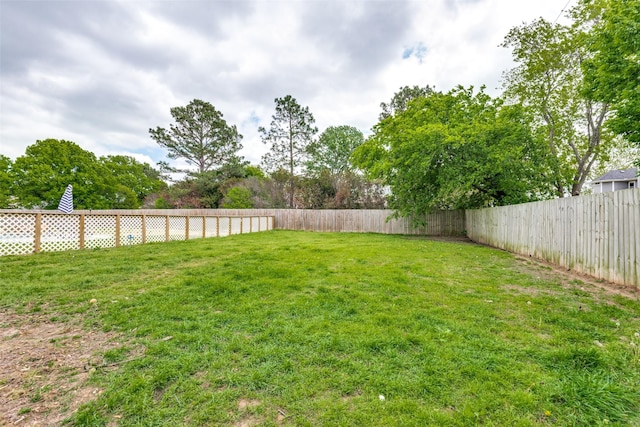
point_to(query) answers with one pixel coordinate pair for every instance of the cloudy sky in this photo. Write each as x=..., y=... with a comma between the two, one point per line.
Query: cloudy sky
x=101, y=73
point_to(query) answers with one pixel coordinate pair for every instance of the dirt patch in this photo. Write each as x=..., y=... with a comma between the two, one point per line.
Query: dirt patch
x=571, y=279
x=247, y=403
x=449, y=239
x=44, y=367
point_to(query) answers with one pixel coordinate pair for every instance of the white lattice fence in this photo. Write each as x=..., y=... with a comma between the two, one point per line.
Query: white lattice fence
x=26, y=232
x=212, y=227
x=131, y=230
x=59, y=233
x=17, y=234
x=177, y=226
x=196, y=227
x=225, y=226
x=99, y=231
x=236, y=225
x=156, y=227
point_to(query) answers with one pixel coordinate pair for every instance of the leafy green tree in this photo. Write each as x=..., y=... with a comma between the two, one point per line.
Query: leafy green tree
x=612, y=75
x=548, y=80
x=332, y=150
x=6, y=182
x=131, y=177
x=48, y=166
x=402, y=98
x=200, y=135
x=205, y=189
x=455, y=150
x=289, y=134
x=237, y=198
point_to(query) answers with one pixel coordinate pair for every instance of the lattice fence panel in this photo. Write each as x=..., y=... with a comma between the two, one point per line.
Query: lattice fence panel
x=235, y=225
x=177, y=226
x=130, y=230
x=246, y=224
x=195, y=227
x=264, y=223
x=211, y=224
x=224, y=226
x=60, y=233
x=99, y=231
x=17, y=234
x=156, y=228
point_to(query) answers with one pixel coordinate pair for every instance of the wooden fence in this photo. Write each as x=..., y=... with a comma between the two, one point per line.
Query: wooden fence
x=24, y=232
x=445, y=223
x=597, y=234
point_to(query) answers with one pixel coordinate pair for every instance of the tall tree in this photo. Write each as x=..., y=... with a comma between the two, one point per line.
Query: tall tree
x=402, y=98
x=612, y=75
x=332, y=150
x=548, y=79
x=291, y=131
x=48, y=166
x=200, y=135
x=132, y=177
x=453, y=151
x=6, y=181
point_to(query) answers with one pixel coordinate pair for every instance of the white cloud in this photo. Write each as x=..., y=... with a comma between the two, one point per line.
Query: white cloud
x=102, y=73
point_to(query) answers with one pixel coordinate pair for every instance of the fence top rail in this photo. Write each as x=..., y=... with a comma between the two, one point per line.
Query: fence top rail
x=136, y=212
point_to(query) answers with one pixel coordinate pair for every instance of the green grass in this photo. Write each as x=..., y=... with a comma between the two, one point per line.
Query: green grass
x=293, y=328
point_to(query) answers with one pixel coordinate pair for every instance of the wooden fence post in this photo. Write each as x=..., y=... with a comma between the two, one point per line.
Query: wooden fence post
x=38, y=233
x=229, y=226
x=204, y=226
x=166, y=229
x=217, y=226
x=144, y=229
x=186, y=227
x=117, y=230
x=81, y=231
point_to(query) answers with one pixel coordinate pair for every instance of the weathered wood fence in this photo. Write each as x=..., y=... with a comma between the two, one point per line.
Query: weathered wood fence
x=24, y=232
x=445, y=223
x=597, y=234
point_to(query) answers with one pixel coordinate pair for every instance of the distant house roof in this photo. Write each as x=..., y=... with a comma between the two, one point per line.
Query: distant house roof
x=618, y=175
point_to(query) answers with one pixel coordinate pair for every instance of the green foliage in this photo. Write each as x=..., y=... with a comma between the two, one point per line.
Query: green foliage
x=206, y=189
x=6, y=182
x=200, y=135
x=333, y=149
x=40, y=177
x=612, y=75
x=401, y=99
x=48, y=166
x=288, y=136
x=548, y=80
x=450, y=334
x=237, y=198
x=161, y=203
x=456, y=150
x=133, y=181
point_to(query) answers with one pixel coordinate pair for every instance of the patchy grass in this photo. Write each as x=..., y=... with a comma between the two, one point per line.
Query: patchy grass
x=292, y=328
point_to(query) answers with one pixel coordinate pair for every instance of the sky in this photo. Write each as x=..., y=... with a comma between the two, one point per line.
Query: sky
x=102, y=73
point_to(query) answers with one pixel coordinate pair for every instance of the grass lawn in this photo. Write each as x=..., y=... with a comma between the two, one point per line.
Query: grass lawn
x=294, y=328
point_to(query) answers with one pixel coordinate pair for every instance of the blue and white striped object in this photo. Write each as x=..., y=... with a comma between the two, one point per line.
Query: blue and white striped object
x=66, y=202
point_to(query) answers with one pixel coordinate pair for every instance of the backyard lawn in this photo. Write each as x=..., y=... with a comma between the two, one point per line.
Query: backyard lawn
x=307, y=329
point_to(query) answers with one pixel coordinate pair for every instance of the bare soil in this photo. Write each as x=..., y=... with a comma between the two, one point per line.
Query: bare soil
x=44, y=368
x=569, y=278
